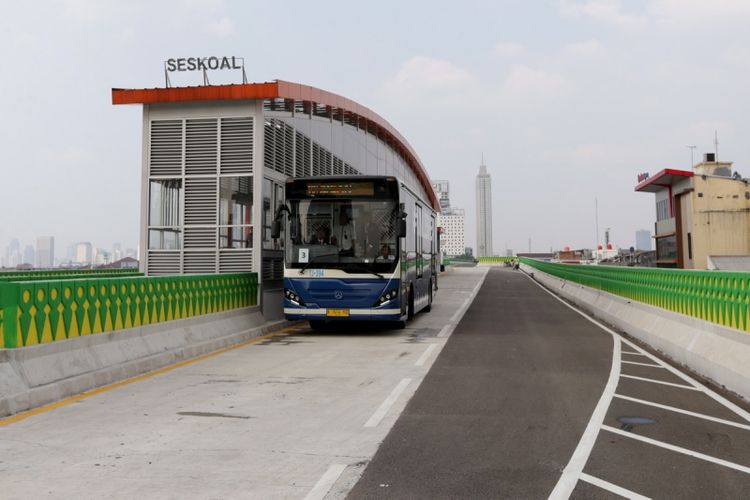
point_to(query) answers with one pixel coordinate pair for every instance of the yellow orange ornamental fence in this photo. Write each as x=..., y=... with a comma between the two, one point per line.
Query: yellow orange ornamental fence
x=716, y=296
x=37, y=312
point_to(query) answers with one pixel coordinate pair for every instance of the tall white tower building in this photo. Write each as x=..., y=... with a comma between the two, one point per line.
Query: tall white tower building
x=484, y=213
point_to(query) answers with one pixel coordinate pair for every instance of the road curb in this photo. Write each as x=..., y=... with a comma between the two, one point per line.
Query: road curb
x=37, y=375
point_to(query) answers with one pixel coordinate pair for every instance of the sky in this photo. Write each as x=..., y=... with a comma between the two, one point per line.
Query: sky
x=567, y=100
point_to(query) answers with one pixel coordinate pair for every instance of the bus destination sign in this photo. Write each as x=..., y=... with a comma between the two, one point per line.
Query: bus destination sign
x=340, y=189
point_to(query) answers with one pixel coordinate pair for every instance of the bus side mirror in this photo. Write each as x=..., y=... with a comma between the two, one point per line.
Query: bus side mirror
x=276, y=229
x=402, y=226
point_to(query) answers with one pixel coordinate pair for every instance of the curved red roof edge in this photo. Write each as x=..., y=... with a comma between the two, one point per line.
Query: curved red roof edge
x=284, y=90
x=662, y=173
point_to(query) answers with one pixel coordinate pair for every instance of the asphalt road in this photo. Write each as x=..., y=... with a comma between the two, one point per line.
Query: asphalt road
x=520, y=397
x=511, y=398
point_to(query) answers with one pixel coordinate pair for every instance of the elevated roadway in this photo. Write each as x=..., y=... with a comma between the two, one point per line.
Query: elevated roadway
x=502, y=391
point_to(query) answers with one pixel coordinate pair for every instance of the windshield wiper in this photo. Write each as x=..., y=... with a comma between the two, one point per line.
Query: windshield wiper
x=363, y=268
x=313, y=259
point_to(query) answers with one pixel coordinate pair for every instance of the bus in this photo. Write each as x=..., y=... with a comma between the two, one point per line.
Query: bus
x=356, y=248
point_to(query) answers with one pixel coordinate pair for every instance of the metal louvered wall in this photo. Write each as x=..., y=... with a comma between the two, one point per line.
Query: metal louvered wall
x=165, y=153
x=198, y=152
x=290, y=152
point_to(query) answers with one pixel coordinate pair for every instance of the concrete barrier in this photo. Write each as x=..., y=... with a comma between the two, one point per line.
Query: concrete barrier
x=36, y=375
x=716, y=352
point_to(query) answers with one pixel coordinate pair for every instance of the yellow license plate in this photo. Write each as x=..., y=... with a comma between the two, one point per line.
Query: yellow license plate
x=337, y=313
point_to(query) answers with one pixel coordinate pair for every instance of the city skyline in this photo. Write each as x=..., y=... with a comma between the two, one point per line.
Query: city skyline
x=17, y=253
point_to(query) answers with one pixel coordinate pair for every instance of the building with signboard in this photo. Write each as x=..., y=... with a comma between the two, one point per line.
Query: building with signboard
x=216, y=157
x=450, y=220
x=700, y=214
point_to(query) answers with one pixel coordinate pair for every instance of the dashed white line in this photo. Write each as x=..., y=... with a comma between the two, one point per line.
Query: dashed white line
x=386, y=405
x=678, y=449
x=613, y=488
x=684, y=412
x=672, y=384
x=425, y=355
x=324, y=484
x=641, y=364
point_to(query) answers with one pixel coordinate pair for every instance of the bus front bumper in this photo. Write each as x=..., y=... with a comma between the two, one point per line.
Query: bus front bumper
x=370, y=314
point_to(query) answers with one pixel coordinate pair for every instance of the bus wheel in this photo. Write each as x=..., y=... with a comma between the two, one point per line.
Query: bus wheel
x=317, y=324
x=428, y=308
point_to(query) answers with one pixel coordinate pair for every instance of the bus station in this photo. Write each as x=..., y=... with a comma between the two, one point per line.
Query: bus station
x=216, y=158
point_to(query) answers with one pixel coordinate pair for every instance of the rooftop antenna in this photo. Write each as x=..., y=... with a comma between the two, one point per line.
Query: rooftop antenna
x=596, y=217
x=482, y=158
x=716, y=144
x=692, y=150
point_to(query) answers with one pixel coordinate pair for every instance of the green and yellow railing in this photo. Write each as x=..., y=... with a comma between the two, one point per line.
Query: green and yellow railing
x=716, y=296
x=496, y=260
x=49, y=310
x=65, y=273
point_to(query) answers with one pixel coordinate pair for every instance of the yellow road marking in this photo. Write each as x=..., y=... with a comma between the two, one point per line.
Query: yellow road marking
x=106, y=388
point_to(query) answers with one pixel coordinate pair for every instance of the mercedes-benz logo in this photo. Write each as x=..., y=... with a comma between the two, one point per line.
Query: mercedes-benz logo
x=338, y=295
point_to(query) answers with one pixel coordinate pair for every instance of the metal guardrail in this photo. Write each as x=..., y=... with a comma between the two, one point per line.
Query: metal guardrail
x=719, y=297
x=49, y=310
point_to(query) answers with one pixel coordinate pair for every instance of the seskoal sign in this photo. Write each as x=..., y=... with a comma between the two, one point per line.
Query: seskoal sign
x=203, y=63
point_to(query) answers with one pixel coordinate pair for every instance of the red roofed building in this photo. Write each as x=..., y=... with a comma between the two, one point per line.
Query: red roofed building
x=700, y=214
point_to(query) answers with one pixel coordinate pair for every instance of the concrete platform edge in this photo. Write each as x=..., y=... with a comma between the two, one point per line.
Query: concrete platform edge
x=37, y=375
x=714, y=351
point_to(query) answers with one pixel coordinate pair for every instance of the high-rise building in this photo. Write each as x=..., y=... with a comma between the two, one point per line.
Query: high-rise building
x=116, y=251
x=643, y=239
x=45, y=252
x=451, y=220
x=484, y=213
x=13, y=253
x=28, y=255
x=452, y=241
x=84, y=253
x=442, y=190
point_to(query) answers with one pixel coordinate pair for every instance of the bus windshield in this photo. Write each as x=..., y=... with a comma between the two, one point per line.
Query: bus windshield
x=354, y=235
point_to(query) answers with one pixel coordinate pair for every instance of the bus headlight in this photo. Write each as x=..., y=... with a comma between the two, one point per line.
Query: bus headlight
x=290, y=295
x=387, y=297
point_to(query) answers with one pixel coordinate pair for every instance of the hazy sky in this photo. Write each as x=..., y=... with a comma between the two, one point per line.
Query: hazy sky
x=568, y=100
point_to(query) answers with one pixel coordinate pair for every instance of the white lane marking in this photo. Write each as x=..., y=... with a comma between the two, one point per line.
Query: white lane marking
x=447, y=329
x=425, y=355
x=324, y=484
x=460, y=311
x=386, y=405
x=678, y=449
x=567, y=482
x=671, y=384
x=459, y=314
x=613, y=488
x=641, y=364
x=708, y=392
x=633, y=353
x=684, y=412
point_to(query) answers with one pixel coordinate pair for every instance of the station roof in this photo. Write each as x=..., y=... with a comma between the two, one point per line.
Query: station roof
x=665, y=178
x=334, y=105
